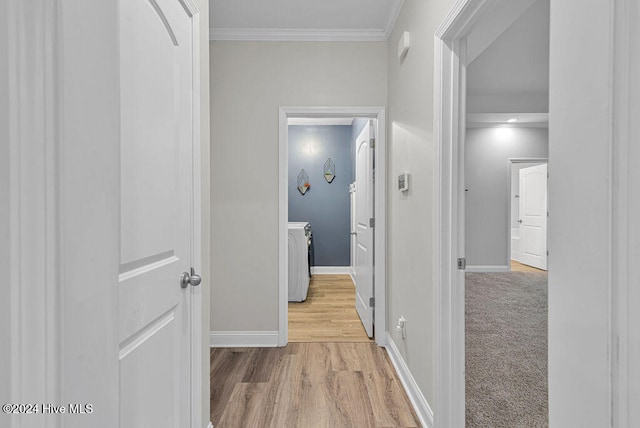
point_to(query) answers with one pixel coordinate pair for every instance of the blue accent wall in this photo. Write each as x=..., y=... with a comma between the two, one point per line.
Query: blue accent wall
x=325, y=205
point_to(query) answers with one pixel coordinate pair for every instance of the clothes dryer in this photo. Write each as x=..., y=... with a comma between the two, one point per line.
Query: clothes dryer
x=299, y=243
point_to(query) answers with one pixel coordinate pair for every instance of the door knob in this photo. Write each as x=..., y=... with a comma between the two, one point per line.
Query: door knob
x=190, y=279
x=519, y=221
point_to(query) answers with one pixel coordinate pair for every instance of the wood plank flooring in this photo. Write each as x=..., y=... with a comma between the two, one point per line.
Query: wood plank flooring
x=307, y=385
x=519, y=267
x=328, y=314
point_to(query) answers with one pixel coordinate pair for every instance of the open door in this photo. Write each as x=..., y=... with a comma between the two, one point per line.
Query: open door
x=533, y=216
x=157, y=238
x=364, y=228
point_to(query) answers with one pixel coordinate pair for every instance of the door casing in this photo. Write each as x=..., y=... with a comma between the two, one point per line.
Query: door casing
x=378, y=113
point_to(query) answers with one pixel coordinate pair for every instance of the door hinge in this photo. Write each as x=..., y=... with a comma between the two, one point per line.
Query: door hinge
x=372, y=222
x=372, y=143
x=547, y=253
x=462, y=263
x=372, y=302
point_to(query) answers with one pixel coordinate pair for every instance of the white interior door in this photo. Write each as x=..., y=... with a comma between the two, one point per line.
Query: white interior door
x=352, y=226
x=533, y=216
x=364, y=233
x=156, y=223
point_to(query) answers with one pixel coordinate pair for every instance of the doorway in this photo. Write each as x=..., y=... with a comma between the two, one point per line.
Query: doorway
x=453, y=51
x=528, y=212
x=378, y=207
x=323, y=168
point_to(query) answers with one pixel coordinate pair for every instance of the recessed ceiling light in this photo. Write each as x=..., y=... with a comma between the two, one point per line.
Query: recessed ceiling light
x=513, y=119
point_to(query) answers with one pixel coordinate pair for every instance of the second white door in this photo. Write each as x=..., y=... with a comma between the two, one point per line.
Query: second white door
x=533, y=216
x=363, y=228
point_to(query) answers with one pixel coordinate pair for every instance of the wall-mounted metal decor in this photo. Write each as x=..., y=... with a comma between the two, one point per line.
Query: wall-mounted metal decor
x=303, y=182
x=329, y=170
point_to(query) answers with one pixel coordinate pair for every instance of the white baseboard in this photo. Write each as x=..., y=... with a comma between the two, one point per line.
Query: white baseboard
x=240, y=339
x=330, y=270
x=352, y=274
x=420, y=405
x=210, y=425
x=487, y=269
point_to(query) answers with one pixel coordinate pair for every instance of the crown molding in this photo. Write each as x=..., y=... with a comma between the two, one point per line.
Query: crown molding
x=297, y=35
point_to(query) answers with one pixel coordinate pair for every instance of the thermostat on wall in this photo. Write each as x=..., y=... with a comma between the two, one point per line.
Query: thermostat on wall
x=403, y=181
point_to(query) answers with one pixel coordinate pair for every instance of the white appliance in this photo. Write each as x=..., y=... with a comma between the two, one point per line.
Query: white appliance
x=299, y=238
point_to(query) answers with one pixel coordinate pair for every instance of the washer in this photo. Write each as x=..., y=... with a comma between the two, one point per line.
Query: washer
x=299, y=238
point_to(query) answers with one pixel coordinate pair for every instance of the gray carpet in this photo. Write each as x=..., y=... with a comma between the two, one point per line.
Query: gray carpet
x=506, y=350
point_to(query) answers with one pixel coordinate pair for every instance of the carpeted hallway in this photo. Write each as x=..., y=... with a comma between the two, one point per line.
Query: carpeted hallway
x=506, y=349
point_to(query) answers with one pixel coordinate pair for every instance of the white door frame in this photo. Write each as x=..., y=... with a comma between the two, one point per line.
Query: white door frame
x=380, y=211
x=625, y=346
x=449, y=127
x=62, y=160
x=510, y=163
x=449, y=114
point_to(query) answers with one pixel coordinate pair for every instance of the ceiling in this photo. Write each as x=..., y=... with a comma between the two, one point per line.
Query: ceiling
x=514, y=69
x=324, y=20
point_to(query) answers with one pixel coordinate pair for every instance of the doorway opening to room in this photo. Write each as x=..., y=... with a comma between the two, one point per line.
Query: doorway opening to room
x=331, y=224
x=493, y=143
x=329, y=169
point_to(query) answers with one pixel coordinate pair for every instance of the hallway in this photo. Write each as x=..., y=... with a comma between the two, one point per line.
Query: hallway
x=307, y=385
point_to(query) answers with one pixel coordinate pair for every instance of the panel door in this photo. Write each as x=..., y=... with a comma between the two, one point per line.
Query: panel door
x=156, y=212
x=364, y=233
x=533, y=216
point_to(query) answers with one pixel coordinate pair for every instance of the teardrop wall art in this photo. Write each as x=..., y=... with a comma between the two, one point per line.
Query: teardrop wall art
x=303, y=182
x=329, y=170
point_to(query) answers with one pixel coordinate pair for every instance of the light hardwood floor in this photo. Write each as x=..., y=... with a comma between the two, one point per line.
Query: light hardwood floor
x=307, y=385
x=328, y=314
x=519, y=267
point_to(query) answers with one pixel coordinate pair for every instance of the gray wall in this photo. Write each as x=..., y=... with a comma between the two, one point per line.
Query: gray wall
x=410, y=239
x=249, y=82
x=487, y=178
x=325, y=205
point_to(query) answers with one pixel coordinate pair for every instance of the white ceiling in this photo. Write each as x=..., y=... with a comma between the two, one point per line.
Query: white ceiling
x=339, y=20
x=516, y=64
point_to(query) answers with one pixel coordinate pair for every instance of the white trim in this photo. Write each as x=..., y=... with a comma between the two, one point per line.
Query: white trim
x=330, y=270
x=196, y=252
x=296, y=35
x=449, y=128
x=380, y=209
x=210, y=425
x=321, y=121
x=625, y=206
x=496, y=268
x=393, y=17
x=510, y=238
x=32, y=110
x=419, y=403
x=239, y=339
